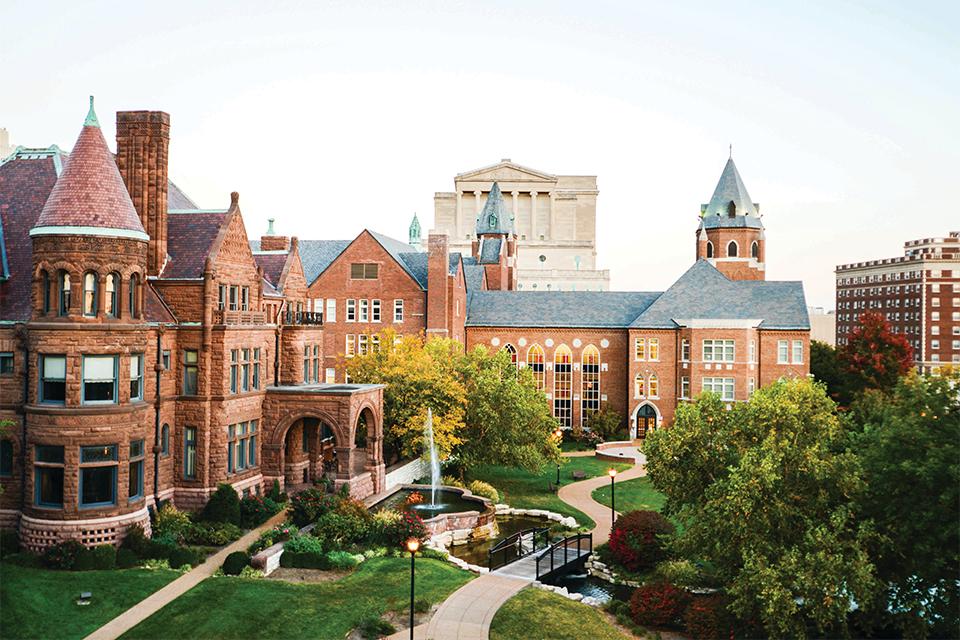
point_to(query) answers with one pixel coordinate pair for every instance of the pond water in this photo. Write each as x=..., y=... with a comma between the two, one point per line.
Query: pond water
x=447, y=502
x=594, y=587
x=477, y=552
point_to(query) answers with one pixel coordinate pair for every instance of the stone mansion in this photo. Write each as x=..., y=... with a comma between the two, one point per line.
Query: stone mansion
x=149, y=350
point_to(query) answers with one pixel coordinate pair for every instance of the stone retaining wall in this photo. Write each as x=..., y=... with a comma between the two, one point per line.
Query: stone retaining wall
x=407, y=473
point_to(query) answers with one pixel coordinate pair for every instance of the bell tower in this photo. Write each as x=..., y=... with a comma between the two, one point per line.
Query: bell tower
x=730, y=234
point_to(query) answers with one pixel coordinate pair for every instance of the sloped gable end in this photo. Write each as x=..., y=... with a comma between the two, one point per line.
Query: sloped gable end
x=506, y=172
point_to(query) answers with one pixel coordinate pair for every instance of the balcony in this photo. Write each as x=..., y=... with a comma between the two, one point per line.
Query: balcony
x=221, y=316
x=313, y=318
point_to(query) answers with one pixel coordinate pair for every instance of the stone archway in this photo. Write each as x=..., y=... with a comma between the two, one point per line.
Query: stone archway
x=646, y=418
x=309, y=453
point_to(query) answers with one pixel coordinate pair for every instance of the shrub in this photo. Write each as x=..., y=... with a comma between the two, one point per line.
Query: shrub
x=303, y=544
x=304, y=560
x=271, y=537
x=607, y=424
x=682, y=573
x=184, y=555
x=84, y=561
x=223, y=506
x=383, y=526
x=9, y=542
x=170, y=521
x=126, y=558
x=485, y=490
x=450, y=481
x=635, y=540
x=408, y=526
x=373, y=627
x=136, y=541
x=342, y=560
x=215, y=534
x=235, y=562
x=308, y=505
x=250, y=572
x=104, y=556
x=421, y=605
x=276, y=494
x=63, y=555
x=255, y=510
x=707, y=617
x=343, y=528
x=657, y=605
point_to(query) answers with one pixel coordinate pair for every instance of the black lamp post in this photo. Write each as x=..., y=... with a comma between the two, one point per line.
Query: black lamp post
x=559, y=434
x=412, y=545
x=613, y=497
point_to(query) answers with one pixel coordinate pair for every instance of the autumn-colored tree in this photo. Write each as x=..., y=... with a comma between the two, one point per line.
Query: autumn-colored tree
x=765, y=494
x=874, y=357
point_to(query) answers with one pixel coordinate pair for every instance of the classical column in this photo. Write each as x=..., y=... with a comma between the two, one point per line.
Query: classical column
x=478, y=207
x=553, y=215
x=516, y=212
x=458, y=219
x=533, y=215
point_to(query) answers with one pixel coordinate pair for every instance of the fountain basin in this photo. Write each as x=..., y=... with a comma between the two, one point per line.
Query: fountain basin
x=458, y=511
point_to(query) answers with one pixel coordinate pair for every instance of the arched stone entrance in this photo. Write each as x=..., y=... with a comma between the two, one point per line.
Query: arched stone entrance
x=332, y=430
x=646, y=418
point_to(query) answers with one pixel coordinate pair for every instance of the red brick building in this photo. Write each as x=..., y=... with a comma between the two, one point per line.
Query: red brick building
x=150, y=351
x=918, y=293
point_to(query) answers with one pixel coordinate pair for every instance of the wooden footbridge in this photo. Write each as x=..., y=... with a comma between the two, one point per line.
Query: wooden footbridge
x=529, y=555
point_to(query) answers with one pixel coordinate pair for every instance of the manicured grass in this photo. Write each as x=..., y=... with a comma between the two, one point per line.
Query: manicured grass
x=524, y=490
x=632, y=495
x=534, y=614
x=38, y=603
x=260, y=608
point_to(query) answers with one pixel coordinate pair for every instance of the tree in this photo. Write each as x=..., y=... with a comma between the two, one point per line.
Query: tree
x=607, y=424
x=825, y=367
x=909, y=445
x=419, y=375
x=508, y=420
x=874, y=358
x=765, y=494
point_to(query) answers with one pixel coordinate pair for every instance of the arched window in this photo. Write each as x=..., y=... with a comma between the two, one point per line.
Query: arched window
x=90, y=293
x=709, y=249
x=165, y=440
x=589, y=383
x=639, y=386
x=732, y=249
x=63, y=289
x=45, y=292
x=563, y=385
x=653, y=386
x=509, y=348
x=755, y=250
x=110, y=290
x=134, y=296
x=535, y=362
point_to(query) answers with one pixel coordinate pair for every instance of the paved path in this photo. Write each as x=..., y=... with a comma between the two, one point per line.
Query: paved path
x=159, y=599
x=578, y=495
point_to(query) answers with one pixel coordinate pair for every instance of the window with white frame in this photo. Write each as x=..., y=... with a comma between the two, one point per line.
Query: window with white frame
x=653, y=386
x=563, y=385
x=306, y=364
x=718, y=350
x=590, y=382
x=721, y=386
x=653, y=350
x=330, y=375
x=753, y=351
x=783, y=351
x=639, y=386
x=751, y=386
x=136, y=377
x=639, y=349
x=362, y=344
x=374, y=311
x=351, y=310
x=398, y=310
x=364, y=311
x=685, y=350
x=349, y=348
x=685, y=387
x=331, y=314
x=99, y=379
x=798, y=352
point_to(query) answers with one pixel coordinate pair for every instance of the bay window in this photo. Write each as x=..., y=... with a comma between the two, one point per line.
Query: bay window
x=98, y=475
x=99, y=379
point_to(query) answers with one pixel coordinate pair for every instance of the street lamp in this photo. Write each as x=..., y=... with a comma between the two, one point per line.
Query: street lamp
x=559, y=435
x=412, y=545
x=613, y=500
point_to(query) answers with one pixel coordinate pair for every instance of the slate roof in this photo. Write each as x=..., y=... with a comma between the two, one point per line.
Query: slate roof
x=726, y=222
x=190, y=236
x=494, y=218
x=272, y=265
x=416, y=265
x=601, y=309
x=155, y=308
x=455, y=259
x=705, y=293
x=26, y=180
x=90, y=191
x=177, y=199
x=473, y=274
x=269, y=289
x=490, y=250
x=730, y=188
x=316, y=255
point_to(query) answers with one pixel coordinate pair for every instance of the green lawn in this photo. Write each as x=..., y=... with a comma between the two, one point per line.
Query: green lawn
x=258, y=608
x=38, y=603
x=524, y=490
x=631, y=495
x=534, y=614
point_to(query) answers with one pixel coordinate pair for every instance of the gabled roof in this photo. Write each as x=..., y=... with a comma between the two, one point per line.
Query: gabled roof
x=473, y=275
x=519, y=170
x=90, y=197
x=190, y=237
x=413, y=262
x=272, y=265
x=729, y=189
x=177, y=199
x=26, y=179
x=155, y=307
x=315, y=255
x=494, y=218
x=455, y=260
x=490, y=250
x=586, y=309
x=705, y=293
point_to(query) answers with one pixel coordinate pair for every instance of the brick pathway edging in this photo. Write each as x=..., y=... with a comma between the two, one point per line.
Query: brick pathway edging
x=162, y=597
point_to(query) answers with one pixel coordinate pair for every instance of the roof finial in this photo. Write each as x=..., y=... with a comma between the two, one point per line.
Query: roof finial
x=731, y=151
x=91, y=120
x=269, y=226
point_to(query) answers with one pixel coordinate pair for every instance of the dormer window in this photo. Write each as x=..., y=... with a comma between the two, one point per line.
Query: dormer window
x=731, y=209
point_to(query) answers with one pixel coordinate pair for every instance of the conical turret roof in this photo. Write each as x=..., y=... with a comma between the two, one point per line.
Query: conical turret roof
x=494, y=218
x=729, y=189
x=90, y=197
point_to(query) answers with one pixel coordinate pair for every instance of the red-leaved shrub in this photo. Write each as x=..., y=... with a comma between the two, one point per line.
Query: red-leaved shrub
x=658, y=605
x=707, y=618
x=634, y=539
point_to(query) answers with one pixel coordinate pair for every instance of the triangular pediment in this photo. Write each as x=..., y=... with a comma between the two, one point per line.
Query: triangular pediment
x=506, y=172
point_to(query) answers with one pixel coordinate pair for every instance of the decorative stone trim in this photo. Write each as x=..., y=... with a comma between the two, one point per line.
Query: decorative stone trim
x=37, y=534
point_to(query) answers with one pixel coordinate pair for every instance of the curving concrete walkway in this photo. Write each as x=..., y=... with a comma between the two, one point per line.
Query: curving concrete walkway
x=173, y=590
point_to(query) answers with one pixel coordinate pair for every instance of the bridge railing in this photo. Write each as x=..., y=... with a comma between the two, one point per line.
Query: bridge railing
x=513, y=547
x=574, y=545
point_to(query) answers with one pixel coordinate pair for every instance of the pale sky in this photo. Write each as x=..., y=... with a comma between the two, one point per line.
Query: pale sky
x=336, y=116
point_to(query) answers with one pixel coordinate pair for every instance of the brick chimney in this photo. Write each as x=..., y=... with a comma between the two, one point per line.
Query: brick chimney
x=438, y=294
x=143, y=139
x=273, y=242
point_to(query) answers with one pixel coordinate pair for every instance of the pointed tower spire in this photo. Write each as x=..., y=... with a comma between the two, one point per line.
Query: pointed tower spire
x=730, y=194
x=414, y=233
x=91, y=120
x=494, y=218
